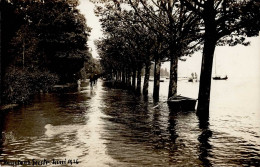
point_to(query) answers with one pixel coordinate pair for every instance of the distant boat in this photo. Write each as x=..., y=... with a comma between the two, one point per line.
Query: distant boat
x=193, y=77
x=161, y=80
x=220, y=78
x=217, y=77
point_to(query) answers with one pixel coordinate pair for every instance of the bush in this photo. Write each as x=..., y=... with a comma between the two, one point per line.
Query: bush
x=21, y=84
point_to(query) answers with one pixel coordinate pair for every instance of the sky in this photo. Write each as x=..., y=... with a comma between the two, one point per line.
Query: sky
x=87, y=9
x=237, y=61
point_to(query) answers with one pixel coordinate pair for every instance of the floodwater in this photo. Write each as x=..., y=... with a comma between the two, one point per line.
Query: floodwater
x=111, y=127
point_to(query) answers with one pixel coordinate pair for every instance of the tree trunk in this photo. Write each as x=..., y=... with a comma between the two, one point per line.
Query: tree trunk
x=0, y=61
x=23, y=53
x=123, y=76
x=134, y=78
x=128, y=78
x=156, y=88
x=173, y=77
x=146, y=78
x=111, y=74
x=207, y=58
x=205, y=77
x=139, y=77
x=116, y=75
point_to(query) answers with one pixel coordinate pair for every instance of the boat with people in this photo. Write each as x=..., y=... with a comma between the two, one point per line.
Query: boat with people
x=193, y=78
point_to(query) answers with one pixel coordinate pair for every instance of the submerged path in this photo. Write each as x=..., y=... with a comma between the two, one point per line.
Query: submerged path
x=92, y=132
x=112, y=127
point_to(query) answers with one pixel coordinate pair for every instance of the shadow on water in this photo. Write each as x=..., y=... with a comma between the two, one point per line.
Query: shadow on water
x=204, y=140
x=143, y=129
x=231, y=150
x=3, y=136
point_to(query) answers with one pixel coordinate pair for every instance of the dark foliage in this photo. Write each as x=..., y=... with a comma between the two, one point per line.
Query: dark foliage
x=42, y=41
x=21, y=84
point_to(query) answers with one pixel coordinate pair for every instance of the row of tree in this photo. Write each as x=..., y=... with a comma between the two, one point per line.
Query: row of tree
x=140, y=32
x=42, y=42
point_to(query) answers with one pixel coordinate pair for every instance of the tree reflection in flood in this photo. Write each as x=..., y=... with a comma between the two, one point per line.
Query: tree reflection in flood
x=204, y=139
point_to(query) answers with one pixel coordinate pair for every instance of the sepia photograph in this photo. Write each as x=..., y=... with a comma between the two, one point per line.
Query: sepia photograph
x=129, y=83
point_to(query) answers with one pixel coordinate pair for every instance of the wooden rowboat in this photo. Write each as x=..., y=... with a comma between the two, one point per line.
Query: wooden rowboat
x=181, y=103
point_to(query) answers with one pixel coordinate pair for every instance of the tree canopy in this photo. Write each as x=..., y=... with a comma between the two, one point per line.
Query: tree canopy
x=180, y=28
x=223, y=22
x=43, y=36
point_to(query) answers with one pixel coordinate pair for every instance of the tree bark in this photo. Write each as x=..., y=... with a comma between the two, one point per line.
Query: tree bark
x=205, y=77
x=173, y=77
x=156, y=88
x=139, y=77
x=146, y=78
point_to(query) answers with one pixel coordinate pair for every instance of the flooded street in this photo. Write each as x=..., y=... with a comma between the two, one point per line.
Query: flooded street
x=113, y=127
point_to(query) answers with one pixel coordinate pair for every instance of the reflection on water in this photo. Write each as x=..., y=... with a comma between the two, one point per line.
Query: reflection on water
x=204, y=139
x=113, y=127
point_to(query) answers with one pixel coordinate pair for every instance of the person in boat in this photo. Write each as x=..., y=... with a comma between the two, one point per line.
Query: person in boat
x=191, y=78
x=192, y=75
x=196, y=77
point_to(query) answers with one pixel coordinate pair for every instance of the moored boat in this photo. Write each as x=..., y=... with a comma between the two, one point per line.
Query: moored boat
x=218, y=77
x=181, y=103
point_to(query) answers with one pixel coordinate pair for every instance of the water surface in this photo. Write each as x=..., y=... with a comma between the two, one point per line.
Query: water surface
x=112, y=127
